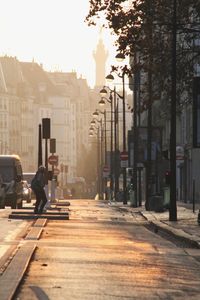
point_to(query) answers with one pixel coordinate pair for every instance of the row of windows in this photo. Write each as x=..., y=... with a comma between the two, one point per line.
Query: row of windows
x=3, y=105
x=3, y=121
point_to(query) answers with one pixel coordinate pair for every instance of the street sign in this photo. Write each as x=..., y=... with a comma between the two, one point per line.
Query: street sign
x=180, y=153
x=124, y=155
x=56, y=171
x=124, y=163
x=124, y=159
x=106, y=171
x=53, y=159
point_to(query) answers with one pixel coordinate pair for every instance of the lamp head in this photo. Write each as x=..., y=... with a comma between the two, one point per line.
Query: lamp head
x=110, y=77
x=102, y=102
x=103, y=92
x=120, y=57
x=92, y=122
x=95, y=114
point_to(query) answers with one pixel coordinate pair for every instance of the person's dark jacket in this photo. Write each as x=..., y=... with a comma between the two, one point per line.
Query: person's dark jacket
x=38, y=181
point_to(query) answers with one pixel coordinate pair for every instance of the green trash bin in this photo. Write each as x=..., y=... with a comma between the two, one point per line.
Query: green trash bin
x=166, y=194
x=132, y=198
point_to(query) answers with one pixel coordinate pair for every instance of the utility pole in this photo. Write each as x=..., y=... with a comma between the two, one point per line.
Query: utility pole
x=116, y=154
x=173, y=208
x=124, y=137
x=39, y=145
x=149, y=125
x=135, y=135
x=98, y=163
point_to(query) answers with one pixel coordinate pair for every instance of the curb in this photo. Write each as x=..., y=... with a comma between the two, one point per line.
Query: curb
x=179, y=234
x=157, y=225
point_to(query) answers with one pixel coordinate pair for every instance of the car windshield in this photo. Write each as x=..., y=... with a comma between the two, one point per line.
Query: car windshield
x=7, y=173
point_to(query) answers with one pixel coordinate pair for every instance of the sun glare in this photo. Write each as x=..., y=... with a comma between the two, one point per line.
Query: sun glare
x=53, y=33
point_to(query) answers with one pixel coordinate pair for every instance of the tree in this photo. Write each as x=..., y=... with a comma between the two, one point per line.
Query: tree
x=132, y=21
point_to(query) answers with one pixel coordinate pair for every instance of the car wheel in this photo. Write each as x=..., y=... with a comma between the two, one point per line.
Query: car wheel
x=14, y=205
x=19, y=205
x=28, y=200
x=2, y=205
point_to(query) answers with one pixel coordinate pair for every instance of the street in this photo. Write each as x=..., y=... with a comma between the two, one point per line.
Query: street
x=11, y=233
x=102, y=252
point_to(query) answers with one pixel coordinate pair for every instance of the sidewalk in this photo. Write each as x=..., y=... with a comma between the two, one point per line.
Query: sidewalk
x=186, y=228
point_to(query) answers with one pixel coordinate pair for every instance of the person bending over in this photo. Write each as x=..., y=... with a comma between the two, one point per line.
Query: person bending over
x=37, y=185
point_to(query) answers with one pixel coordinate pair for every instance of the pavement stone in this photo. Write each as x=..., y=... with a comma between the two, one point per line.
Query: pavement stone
x=186, y=227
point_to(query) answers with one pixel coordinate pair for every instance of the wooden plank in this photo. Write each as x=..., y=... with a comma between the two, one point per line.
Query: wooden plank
x=34, y=234
x=57, y=212
x=42, y=216
x=40, y=223
x=15, y=271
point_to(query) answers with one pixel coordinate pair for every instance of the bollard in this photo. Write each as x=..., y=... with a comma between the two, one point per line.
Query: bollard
x=132, y=198
x=198, y=218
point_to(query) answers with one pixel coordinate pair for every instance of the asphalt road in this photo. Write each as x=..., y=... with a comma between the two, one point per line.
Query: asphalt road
x=11, y=234
x=104, y=253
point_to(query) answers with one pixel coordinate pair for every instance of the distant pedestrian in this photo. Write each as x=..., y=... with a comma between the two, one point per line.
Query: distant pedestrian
x=37, y=185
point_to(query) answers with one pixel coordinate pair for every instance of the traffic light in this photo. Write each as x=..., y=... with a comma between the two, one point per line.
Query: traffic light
x=167, y=177
x=46, y=124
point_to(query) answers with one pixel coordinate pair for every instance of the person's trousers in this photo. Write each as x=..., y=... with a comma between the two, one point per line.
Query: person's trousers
x=41, y=200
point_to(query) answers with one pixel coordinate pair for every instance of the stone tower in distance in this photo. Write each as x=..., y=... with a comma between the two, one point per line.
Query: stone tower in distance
x=100, y=56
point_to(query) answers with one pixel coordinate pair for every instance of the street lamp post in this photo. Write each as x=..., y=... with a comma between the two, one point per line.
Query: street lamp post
x=135, y=133
x=102, y=102
x=114, y=110
x=93, y=122
x=173, y=208
x=91, y=134
x=110, y=78
x=113, y=167
x=96, y=114
x=116, y=146
x=104, y=163
x=124, y=136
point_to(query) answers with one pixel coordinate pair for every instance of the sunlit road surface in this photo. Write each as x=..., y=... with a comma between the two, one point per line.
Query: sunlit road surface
x=102, y=253
x=11, y=233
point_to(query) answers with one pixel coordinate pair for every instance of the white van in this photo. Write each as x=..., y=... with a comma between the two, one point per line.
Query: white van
x=11, y=172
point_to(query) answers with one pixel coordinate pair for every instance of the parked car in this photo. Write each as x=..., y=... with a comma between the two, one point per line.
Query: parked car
x=26, y=191
x=11, y=172
x=28, y=176
x=2, y=193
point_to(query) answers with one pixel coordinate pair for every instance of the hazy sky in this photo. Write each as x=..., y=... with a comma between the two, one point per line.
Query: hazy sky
x=52, y=32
